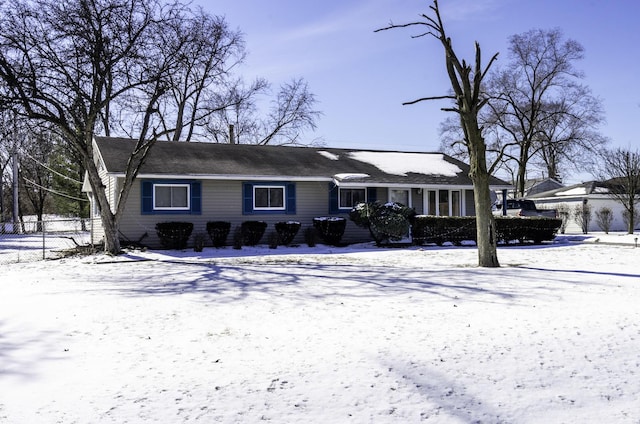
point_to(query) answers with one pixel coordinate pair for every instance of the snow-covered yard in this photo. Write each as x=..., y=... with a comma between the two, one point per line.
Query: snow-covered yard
x=325, y=335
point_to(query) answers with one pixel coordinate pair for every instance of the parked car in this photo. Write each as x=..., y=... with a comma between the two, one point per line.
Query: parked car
x=523, y=207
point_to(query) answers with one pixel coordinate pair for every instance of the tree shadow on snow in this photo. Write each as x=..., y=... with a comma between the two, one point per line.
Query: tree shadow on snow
x=234, y=282
x=582, y=271
x=21, y=353
x=445, y=398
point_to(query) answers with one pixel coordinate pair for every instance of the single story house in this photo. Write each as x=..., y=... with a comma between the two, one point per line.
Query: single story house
x=201, y=182
x=535, y=186
x=594, y=193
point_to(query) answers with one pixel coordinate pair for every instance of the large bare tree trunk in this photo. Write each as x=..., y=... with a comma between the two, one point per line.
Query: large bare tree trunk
x=485, y=221
x=468, y=99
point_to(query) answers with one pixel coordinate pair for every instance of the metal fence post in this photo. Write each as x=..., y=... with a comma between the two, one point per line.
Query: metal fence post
x=44, y=250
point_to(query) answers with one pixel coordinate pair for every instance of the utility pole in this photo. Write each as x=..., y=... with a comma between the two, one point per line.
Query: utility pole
x=16, y=210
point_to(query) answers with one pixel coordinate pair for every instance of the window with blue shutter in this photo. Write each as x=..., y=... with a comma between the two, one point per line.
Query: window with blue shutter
x=333, y=199
x=171, y=197
x=268, y=198
x=343, y=199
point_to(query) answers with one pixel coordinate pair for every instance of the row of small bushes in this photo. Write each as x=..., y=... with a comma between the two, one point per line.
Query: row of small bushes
x=175, y=235
x=456, y=229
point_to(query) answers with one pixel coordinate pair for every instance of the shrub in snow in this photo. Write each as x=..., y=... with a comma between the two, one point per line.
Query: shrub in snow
x=582, y=216
x=604, y=218
x=440, y=229
x=174, y=235
x=237, y=238
x=273, y=240
x=198, y=242
x=252, y=232
x=311, y=236
x=287, y=231
x=564, y=211
x=387, y=222
x=535, y=228
x=330, y=229
x=218, y=232
x=456, y=229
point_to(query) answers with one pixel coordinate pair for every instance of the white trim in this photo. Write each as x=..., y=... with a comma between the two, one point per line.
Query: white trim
x=172, y=208
x=270, y=208
x=340, y=207
x=224, y=177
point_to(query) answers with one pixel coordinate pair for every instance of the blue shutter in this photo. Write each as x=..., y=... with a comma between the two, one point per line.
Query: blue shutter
x=196, y=198
x=247, y=198
x=291, y=198
x=372, y=194
x=147, y=197
x=333, y=199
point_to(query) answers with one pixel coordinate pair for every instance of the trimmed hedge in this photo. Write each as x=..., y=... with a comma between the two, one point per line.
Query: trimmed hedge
x=331, y=229
x=252, y=231
x=287, y=231
x=440, y=229
x=535, y=229
x=218, y=232
x=174, y=235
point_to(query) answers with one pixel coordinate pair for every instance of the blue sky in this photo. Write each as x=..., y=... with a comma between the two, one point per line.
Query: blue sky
x=361, y=78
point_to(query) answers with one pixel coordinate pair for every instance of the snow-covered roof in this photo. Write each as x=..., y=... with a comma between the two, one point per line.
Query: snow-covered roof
x=401, y=163
x=248, y=162
x=575, y=191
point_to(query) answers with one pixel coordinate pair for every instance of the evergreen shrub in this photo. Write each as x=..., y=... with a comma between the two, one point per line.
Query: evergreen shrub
x=456, y=229
x=218, y=232
x=387, y=222
x=174, y=235
x=252, y=232
x=330, y=229
x=287, y=231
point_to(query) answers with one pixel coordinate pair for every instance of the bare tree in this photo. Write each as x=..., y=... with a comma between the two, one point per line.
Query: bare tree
x=200, y=84
x=604, y=218
x=620, y=171
x=241, y=114
x=292, y=113
x=72, y=63
x=568, y=141
x=582, y=216
x=538, y=110
x=468, y=100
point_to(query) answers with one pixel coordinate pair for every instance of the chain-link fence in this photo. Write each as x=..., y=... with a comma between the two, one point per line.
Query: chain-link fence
x=31, y=240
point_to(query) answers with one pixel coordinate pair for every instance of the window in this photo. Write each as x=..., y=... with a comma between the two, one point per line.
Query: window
x=171, y=196
x=432, y=202
x=268, y=198
x=443, y=203
x=400, y=196
x=167, y=197
x=455, y=203
x=349, y=197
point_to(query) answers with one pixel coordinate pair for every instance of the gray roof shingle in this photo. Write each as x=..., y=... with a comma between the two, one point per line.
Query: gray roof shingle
x=210, y=160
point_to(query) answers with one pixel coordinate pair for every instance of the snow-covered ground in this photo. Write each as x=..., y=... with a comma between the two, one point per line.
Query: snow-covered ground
x=326, y=335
